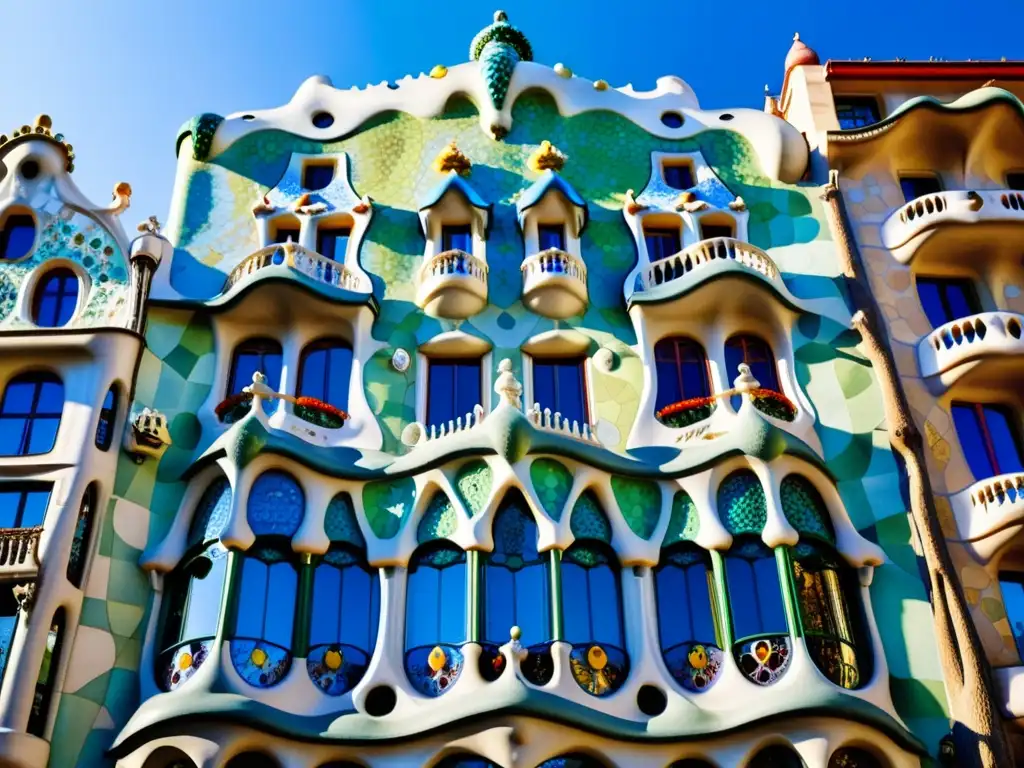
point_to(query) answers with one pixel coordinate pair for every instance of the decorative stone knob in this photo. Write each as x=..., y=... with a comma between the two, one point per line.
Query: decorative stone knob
x=507, y=385
x=746, y=382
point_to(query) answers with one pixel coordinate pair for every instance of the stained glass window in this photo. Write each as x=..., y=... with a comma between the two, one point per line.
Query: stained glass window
x=755, y=591
x=30, y=414
x=16, y=237
x=805, y=509
x=346, y=600
x=830, y=614
x=263, y=355
x=559, y=384
x=324, y=371
x=435, y=604
x=776, y=757
x=758, y=355
x=47, y=674
x=105, y=425
x=83, y=535
x=276, y=505
x=55, y=299
x=516, y=579
x=988, y=434
x=682, y=371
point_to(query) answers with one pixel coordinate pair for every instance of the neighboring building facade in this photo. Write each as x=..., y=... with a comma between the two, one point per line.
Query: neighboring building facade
x=490, y=418
x=928, y=187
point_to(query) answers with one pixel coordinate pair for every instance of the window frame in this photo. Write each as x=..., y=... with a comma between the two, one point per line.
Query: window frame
x=942, y=285
x=449, y=230
x=1012, y=417
x=662, y=233
x=677, y=166
x=913, y=177
x=549, y=228
x=318, y=166
x=238, y=350
x=551, y=360
x=333, y=230
x=326, y=344
x=107, y=420
x=853, y=104
x=5, y=235
x=678, y=363
x=64, y=276
x=24, y=487
x=431, y=362
x=416, y=563
x=38, y=378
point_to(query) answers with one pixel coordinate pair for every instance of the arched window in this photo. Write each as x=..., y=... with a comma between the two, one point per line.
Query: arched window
x=776, y=757
x=17, y=235
x=168, y=757
x=592, y=602
x=263, y=355
x=853, y=757
x=276, y=505
x=30, y=414
x=572, y=761
x=690, y=639
x=682, y=370
x=83, y=535
x=47, y=676
x=761, y=641
x=756, y=353
x=265, y=615
x=252, y=760
x=466, y=761
x=343, y=619
x=435, y=616
x=324, y=371
x=55, y=299
x=108, y=414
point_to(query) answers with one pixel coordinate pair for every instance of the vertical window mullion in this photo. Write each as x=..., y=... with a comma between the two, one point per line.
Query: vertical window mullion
x=982, y=418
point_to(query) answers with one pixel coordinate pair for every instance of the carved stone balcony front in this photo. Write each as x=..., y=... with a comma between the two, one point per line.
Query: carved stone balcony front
x=452, y=284
x=300, y=260
x=555, y=284
x=703, y=256
x=910, y=226
x=19, y=551
x=990, y=512
x=970, y=338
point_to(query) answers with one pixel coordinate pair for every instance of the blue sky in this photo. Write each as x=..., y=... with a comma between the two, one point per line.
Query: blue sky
x=119, y=76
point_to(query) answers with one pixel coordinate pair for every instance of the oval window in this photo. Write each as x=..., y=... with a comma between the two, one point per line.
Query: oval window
x=56, y=298
x=17, y=236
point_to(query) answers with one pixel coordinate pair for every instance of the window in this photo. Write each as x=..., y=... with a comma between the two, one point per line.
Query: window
x=776, y=757
x=755, y=592
x=105, y=425
x=708, y=231
x=466, y=761
x=1012, y=586
x=551, y=236
x=516, y=579
x=915, y=186
x=559, y=384
x=286, y=231
x=572, y=761
x=853, y=757
x=252, y=760
x=677, y=175
x=453, y=389
x=682, y=371
x=263, y=355
x=30, y=414
x=55, y=299
x=324, y=371
x=343, y=619
x=988, y=436
x=685, y=596
x=457, y=237
x=16, y=237
x=758, y=355
x=331, y=242
x=317, y=175
x=856, y=111
x=83, y=535
x=23, y=505
x=1015, y=180
x=662, y=242
x=265, y=615
x=9, y=614
x=945, y=300
x=47, y=675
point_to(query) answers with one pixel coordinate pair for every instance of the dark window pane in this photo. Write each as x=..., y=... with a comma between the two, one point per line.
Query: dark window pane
x=755, y=592
x=317, y=175
x=30, y=414
x=23, y=505
x=55, y=299
x=324, y=372
x=558, y=385
x=856, y=111
x=82, y=537
x=677, y=175
x=945, y=300
x=917, y=186
x=453, y=390
x=282, y=590
x=662, y=243
x=1004, y=440
x=263, y=355
x=1015, y=180
x=285, y=233
x=457, y=237
x=551, y=236
x=105, y=425
x=755, y=353
x=682, y=370
x=8, y=624
x=47, y=672
x=331, y=242
x=16, y=237
x=988, y=437
x=707, y=231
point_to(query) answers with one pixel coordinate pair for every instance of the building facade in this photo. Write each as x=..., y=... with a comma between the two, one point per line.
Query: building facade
x=491, y=418
x=926, y=164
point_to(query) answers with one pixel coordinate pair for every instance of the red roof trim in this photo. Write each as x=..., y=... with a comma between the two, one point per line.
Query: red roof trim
x=924, y=70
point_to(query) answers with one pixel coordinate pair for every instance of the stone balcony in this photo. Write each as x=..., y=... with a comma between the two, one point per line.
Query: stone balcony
x=302, y=261
x=994, y=505
x=452, y=284
x=911, y=225
x=705, y=255
x=555, y=284
x=19, y=552
x=970, y=338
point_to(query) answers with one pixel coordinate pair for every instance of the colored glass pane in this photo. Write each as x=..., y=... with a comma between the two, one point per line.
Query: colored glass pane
x=263, y=355
x=453, y=390
x=755, y=590
x=559, y=384
x=435, y=608
x=30, y=414
x=682, y=371
x=325, y=370
x=16, y=237
x=945, y=300
x=55, y=299
x=989, y=438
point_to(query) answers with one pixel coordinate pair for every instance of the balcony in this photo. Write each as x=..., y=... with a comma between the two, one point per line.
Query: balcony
x=555, y=284
x=452, y=284
x=300, y=260
x=988, y=507
x=19, y=551
x=988, y=333
x=703, y=256
x=911, y=225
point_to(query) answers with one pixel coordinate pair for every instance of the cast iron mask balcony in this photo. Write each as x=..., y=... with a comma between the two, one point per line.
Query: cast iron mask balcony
x=452, y=284
x=301, y=260
x=555, y=284
x=970, y=338
x=705, y=255
x=908, y=227
x=19, y=551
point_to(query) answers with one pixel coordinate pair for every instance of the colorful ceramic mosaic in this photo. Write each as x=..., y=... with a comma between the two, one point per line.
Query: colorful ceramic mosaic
x=434, y=671
x=597, y=668
x=336, y=668
x=764, y=660
x=695, y=666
